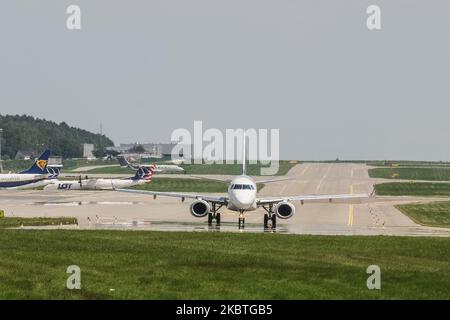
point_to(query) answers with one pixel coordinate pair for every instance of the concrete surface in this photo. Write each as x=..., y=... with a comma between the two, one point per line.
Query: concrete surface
x=115, y=210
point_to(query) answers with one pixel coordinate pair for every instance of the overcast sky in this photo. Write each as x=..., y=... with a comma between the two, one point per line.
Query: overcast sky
x=310, y=68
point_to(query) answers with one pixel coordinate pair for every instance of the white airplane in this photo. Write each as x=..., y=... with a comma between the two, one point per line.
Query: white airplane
x=39, y=174
x=156, y=168
x=242, y=197
x=143, y=175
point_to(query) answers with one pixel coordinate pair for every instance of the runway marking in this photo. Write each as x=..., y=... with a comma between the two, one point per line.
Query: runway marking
x=283, y=188
x=304, y=170
x=350, y=210
x=323, y=178
x=350, y=215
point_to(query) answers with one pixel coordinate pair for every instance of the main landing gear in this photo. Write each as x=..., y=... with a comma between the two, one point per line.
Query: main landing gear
x=214, y=215
x=270, y=218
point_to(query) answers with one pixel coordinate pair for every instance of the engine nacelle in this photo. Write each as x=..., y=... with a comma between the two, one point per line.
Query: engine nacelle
x=284, y=210
x=200, y=208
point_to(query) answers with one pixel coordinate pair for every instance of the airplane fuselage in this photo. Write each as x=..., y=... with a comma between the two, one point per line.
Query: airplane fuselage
x=94, y=184
x=15, y=180
x=242, y=194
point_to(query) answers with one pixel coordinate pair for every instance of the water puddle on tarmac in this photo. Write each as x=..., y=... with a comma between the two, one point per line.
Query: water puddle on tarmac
x=180, y=226
x=84, y=203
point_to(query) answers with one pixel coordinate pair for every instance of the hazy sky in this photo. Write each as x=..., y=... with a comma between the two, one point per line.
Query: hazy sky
x=310, y=68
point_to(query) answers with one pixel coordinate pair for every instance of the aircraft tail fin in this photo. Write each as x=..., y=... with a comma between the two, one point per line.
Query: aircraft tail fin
x=40, y=165
x=144, y=173
x=53, y=172
x=123, y=162
x=244, y=156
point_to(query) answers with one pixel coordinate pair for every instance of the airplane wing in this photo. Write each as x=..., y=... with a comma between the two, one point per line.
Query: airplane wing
x=229, y=180
x=273, y=180
x=312, y=198
x=214, y=199
x=211, y=179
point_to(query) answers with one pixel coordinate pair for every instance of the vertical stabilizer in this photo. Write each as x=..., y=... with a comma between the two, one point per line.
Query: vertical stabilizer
x=40, y=165
x=244, y=156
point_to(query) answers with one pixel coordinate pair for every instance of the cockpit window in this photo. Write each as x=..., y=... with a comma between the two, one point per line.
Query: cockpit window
x=242, y=187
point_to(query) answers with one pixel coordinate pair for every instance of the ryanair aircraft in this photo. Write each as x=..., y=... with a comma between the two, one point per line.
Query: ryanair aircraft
x=36, y=175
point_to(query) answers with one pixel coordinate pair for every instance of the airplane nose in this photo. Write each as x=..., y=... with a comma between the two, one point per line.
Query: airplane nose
x=243, y=202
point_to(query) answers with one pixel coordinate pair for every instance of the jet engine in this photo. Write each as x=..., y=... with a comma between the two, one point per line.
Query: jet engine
x=284, y=210
x=200, y=208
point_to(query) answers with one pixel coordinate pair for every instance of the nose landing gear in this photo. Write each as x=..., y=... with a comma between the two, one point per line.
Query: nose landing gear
x=241, y=221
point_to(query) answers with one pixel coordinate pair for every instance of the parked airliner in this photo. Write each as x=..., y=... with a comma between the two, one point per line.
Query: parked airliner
x=242, y=197
x=156, y=168
x=37, y=175
x=143, y=175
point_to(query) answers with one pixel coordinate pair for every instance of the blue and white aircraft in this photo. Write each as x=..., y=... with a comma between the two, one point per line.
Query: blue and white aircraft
x=143, y=175
x=39, y=174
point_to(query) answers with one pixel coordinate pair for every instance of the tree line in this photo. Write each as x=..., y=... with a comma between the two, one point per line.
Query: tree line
x=22, y=132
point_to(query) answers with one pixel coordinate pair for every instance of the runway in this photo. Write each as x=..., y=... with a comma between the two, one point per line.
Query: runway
x=115, y=210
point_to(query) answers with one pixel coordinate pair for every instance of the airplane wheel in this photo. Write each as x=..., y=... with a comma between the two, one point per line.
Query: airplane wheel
x=274, y=221
x=218, y=218
x=241, y=223
x=210, y=218
x=266, y=220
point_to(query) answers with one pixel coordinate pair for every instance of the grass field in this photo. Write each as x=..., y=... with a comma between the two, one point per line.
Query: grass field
x=13, y=222
x=412, y=189
x=223, y=169
x=436, y=174
x=183, y=185
x=108, y=170
x=175, y=265
x=406, y=163
x=186, y=185
x=16, y=165
x=435, y=214
x=235, y=169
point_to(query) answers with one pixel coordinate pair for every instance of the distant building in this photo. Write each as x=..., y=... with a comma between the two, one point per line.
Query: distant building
x=55, y=161
x=32, y=154
x=88, y=151
x=25, y=154
x=152, y=150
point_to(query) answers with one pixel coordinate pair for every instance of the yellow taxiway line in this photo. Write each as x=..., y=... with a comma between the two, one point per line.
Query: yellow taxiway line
x=350, y=210
x=350, y=215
